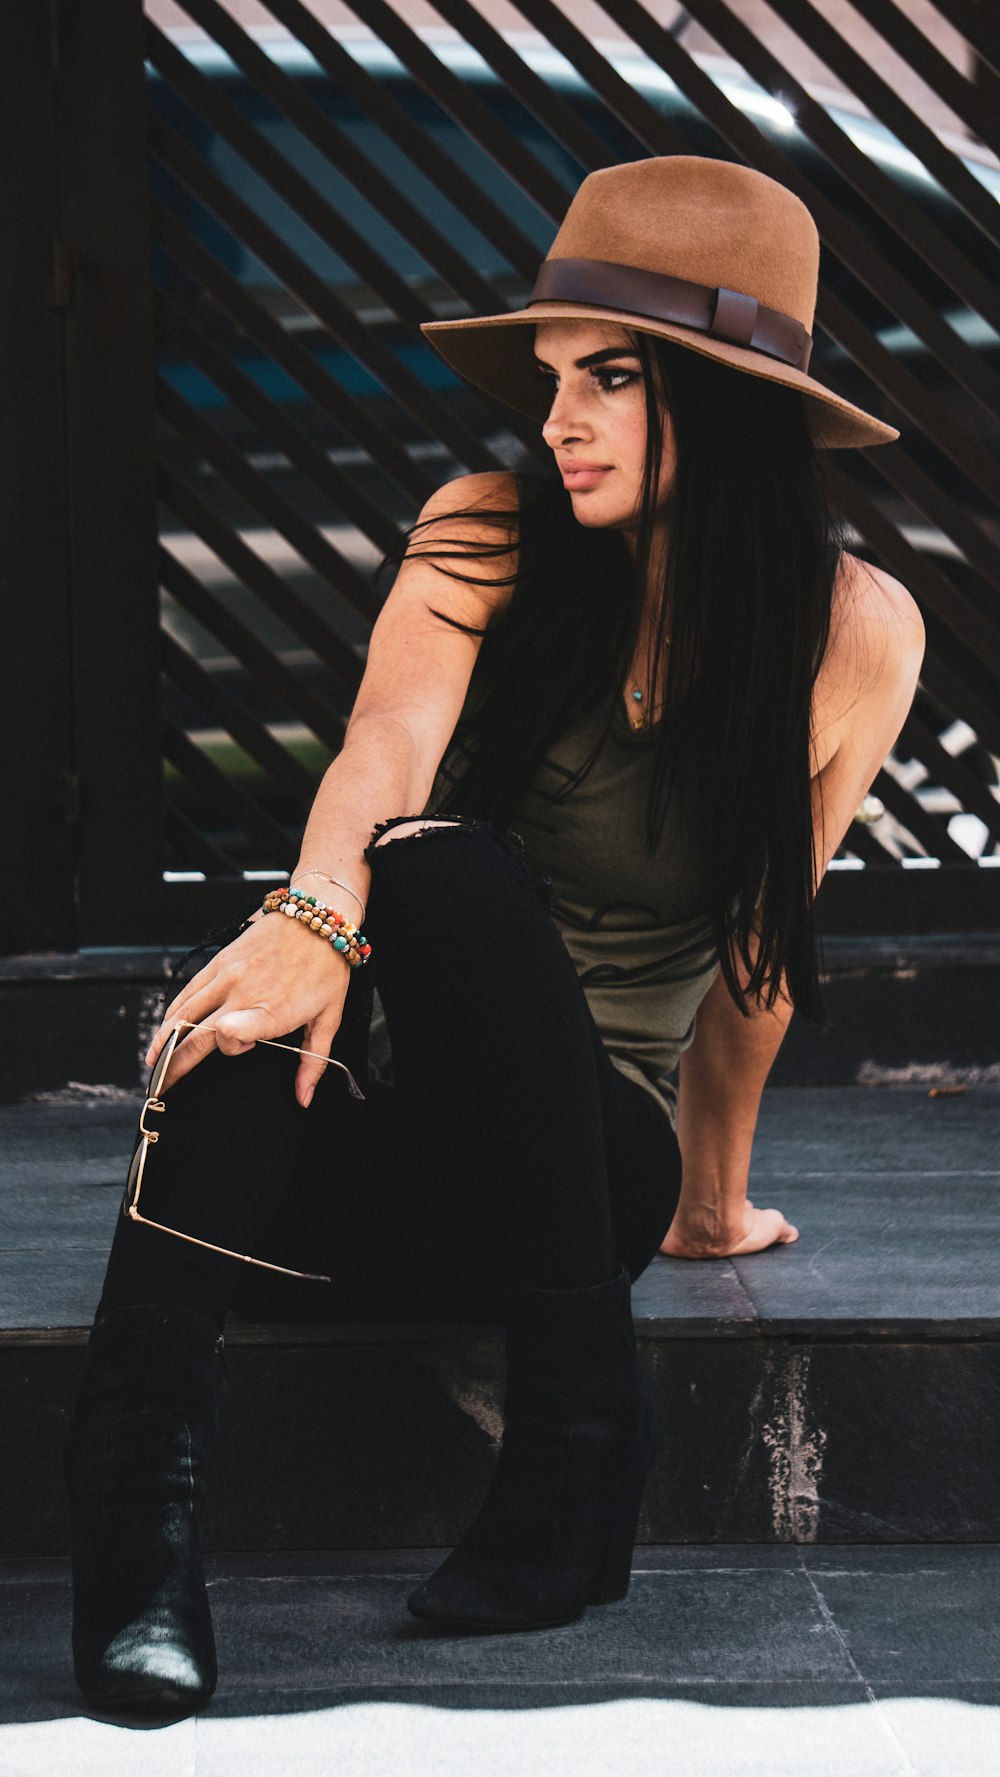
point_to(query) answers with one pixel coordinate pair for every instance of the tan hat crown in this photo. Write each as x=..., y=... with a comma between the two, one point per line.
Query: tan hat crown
x=713, y=256
x=710, y=222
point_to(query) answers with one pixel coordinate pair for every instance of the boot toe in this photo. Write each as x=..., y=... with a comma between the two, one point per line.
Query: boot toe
x=148, y=1673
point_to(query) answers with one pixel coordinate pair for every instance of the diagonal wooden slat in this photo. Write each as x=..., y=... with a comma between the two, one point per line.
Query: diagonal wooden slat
x=861, y=839
x=193, y=848
x=222, y=710
x=261, y=662
x=314, y=380
x=620, y=97
x=441, y=168
x=227, y=797
x=974, y=24
x=274, y=423
x=521, y=81
x=902, y=472
x=926, y=410
x=947, y=676
x=885, y=104
x=938, y=593
x=950, y=671
x=259, y=494
x=315, y=126
x=944, y=769
x=885, y=195
x=326, y=223
x=435, y=417
x=929, y=832
x=277, y=595
x=453, y=95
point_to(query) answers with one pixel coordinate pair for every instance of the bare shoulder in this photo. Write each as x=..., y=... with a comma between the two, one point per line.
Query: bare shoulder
x=872, y=662
x=469, y=501
x=463, y=549
x=870, y=603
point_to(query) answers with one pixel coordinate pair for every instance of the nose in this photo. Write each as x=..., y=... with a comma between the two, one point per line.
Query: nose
x=565, y=420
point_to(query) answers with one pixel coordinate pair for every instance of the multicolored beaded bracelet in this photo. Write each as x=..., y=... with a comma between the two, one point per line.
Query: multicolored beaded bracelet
x=326, y=921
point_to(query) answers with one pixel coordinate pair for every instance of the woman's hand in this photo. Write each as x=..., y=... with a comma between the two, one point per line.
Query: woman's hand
x=274, y=978
x=695, y=1234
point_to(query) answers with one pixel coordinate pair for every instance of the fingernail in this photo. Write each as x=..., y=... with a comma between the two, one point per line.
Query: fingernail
x=307, y=1097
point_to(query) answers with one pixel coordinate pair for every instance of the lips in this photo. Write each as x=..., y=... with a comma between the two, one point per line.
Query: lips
x=578, y=476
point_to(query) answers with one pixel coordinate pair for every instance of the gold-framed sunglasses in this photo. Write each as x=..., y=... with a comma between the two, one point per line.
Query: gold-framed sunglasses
x=154, y=1105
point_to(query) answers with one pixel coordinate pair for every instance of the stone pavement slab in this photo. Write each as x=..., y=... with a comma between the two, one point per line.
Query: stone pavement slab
x=722, y=1662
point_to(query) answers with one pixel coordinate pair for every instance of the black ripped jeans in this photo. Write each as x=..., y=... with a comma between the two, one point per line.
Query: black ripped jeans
x=507, y=1146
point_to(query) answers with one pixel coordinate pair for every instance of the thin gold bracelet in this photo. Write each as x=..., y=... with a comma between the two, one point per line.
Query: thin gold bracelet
x=300, y=876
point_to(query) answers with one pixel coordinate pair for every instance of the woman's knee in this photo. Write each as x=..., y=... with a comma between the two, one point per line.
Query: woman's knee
x=432, y=837
x=400, y=828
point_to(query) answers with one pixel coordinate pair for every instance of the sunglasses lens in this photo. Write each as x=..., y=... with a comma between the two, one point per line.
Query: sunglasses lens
x=134, y=1169
x=161, y=1064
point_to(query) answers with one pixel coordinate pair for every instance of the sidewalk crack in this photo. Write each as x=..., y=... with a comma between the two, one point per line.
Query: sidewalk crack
x=830, y=1623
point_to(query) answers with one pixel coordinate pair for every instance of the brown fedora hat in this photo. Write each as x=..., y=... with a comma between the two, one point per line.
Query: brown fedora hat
x=715, y=256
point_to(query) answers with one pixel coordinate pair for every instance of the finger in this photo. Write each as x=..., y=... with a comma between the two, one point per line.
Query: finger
x=180, y=1016
x=189, y=1051
x=191, y=989
x=237, y=1032
x=191, y=1006
x=319, y=1038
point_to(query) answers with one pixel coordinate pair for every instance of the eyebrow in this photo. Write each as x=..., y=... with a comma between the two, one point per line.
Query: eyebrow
x=594, y=357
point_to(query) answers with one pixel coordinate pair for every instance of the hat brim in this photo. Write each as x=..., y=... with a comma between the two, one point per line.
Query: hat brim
x=480, y=351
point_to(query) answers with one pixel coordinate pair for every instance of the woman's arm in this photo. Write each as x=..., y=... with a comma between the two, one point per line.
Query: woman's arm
x=275, y=977
x=721, y=1078
x=862, y=702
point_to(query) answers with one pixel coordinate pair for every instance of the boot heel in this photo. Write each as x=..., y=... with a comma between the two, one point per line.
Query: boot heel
x=612, y=1580
x=560, y=1516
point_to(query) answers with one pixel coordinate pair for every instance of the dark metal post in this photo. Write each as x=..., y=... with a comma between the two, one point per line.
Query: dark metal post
x=36, y=747
x=110, y=464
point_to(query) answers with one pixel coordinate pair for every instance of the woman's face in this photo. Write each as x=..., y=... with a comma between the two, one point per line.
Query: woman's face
x=596, y=427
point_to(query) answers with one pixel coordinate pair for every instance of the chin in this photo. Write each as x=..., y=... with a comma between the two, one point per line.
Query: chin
x=594, y=519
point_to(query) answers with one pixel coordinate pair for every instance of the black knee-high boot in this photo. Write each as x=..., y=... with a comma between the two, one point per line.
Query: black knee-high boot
x=557, y=1528
x=135, y=1465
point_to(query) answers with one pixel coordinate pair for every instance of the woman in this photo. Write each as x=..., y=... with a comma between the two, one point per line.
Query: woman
x=637, y=707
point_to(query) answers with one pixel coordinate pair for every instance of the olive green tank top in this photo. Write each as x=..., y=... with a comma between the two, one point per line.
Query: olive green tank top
x=632, y=921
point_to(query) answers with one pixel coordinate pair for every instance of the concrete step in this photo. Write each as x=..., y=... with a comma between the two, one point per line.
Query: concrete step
x=845, y=1388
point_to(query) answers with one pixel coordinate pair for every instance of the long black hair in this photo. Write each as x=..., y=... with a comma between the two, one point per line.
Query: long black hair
x=745, y=597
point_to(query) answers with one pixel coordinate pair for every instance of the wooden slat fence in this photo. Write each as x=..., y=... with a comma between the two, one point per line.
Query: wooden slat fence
x=315, y=194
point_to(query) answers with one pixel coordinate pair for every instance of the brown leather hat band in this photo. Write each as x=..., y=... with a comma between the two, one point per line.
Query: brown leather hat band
x=724, y=314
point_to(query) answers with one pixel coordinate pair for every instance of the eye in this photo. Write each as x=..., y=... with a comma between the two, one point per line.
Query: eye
x=610, y=378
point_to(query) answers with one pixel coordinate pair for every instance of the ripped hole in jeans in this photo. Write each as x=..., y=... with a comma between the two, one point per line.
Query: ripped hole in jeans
x=435, y=826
